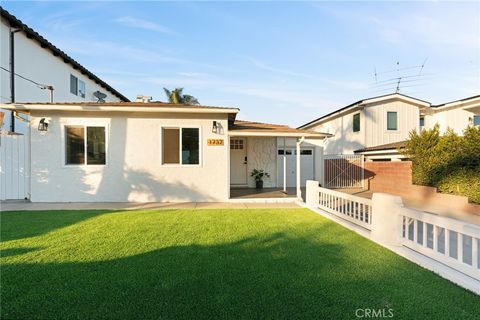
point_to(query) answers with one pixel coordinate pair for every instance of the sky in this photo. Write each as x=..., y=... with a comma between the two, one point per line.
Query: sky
x=279, y=62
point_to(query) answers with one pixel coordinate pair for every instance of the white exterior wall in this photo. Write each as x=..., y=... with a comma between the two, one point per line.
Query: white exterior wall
x=134, y=171
x=456, y=119
x=39, y=64
x=344, y=140
x=373, y=127
x=376, y=133
x=262, y=154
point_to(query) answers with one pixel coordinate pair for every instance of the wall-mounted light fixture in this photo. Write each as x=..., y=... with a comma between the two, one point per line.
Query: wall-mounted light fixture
x=43, y=125
x=215, y=127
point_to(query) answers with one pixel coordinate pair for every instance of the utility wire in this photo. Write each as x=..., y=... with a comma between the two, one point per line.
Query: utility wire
x=40, y=85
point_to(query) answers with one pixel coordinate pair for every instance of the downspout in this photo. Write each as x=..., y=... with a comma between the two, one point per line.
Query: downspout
x=12, y=76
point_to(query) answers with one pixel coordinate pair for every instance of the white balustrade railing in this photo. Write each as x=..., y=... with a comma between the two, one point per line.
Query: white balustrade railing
x=355, y=209
x=449, y=241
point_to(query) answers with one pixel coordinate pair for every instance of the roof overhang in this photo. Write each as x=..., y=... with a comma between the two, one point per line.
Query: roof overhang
x=306, y=135
x=27, y=108
x=471, y=104
x=362, y=103
x=377, y=152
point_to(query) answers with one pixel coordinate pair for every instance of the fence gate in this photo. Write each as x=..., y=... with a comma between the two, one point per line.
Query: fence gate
x=14, y=157
x=343, y=171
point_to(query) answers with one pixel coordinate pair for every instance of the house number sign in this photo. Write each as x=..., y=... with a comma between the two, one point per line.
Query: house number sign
x=215, y=142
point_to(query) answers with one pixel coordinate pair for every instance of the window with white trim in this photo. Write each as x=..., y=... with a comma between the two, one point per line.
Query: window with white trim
x=476, y=120
x=85, y=145
x=181, y=146
x=77, y=86
x=392, y=121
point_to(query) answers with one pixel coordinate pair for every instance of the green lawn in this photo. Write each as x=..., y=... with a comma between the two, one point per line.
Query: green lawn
x=204, y=264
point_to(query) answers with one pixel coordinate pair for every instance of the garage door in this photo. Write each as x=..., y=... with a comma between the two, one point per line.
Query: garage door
x=306, y=172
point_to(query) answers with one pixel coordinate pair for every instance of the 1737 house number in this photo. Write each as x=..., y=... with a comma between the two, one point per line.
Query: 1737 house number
x=215, y=142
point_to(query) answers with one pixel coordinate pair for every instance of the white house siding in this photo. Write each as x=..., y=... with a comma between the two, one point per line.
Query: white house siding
x=376, y=133
x=456, y=119
x=134, y=171
x=39, y=64
x=344, y=140
x=262, y=154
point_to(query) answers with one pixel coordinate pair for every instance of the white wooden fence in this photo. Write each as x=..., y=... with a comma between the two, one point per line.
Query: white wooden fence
x=14, y=167
x=352, y=208
x=446, y=240
x=452, y=244
x=343, y=171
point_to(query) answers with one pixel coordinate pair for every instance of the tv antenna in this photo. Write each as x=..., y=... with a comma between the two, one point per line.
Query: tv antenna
x=405, y=77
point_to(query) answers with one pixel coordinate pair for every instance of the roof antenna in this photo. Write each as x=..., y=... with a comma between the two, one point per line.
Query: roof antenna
x=423, y=65
x=375, y=72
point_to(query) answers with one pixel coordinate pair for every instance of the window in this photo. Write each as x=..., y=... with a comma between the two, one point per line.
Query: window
x=356, y=122
x=90, y=152
x=236, y=144
x=77, y=87
x=306, y=152
x=391, y=120
x=81, y=88
x=476, y=120
x=422, y=122
x=186, y=138
x=73, y=84
x=287, y=152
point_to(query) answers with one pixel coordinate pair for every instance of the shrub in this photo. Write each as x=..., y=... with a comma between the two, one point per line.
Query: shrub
x=449, y=162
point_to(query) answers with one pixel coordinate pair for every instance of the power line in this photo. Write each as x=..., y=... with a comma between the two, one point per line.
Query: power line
x=40, y=85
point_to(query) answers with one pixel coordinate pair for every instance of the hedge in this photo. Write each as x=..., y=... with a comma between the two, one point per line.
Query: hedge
x=449, y=162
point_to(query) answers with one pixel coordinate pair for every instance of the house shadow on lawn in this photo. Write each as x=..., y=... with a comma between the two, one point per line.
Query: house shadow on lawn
x=15, y=225
x=279, y=276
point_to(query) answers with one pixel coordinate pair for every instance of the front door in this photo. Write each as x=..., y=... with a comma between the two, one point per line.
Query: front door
x=238, y=161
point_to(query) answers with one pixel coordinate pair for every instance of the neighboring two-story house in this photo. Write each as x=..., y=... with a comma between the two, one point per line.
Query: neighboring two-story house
x=34, y=70
x=377, y=126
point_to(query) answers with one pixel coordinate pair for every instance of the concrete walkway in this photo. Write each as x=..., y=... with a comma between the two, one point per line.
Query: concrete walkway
x=29, y=206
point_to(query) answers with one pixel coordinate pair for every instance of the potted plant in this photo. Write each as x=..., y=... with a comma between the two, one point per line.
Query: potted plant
x=258, y=175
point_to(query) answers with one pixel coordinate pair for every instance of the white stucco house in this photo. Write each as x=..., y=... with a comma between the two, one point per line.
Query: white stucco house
x=376, y=127
x=35, y=70
x=155, y=152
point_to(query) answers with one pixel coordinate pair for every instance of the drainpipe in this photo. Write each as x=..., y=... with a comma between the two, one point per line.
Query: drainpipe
x=12, y=75
x=299, y=190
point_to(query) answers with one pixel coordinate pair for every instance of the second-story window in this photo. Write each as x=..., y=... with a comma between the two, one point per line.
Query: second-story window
x=422, y=122
x=392, y=120
x=476, y=120
x=77, y=86
x=356, y=122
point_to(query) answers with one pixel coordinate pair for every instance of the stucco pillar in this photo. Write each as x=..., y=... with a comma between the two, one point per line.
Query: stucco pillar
x=312, y=197
x=386, y=222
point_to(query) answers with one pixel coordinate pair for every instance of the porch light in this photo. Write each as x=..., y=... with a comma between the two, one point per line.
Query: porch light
x=214, y=127
x=43, y=125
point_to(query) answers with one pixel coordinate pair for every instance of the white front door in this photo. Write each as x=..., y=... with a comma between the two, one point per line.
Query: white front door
x=238, y=161
x=306, y=167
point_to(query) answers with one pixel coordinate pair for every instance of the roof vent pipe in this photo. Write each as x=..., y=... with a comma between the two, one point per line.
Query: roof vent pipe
x=144, y=99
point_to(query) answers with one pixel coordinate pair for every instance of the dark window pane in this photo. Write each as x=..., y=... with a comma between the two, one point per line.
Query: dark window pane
x=422, y=121
x=280, y=152
x=73, y=84
x=391, y=121
x=81, y=88
x=356, y=122
x=476, y=120
x=75, y=145
x=190, y=146
x=306, y=152
x=96, y=145
x=171, y=146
